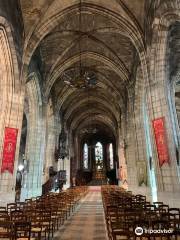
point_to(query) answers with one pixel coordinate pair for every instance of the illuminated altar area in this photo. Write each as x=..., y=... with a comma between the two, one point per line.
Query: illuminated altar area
x=99, y=171
x=98, y=161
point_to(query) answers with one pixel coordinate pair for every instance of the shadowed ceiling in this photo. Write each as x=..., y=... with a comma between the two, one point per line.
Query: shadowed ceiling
x=102, y=46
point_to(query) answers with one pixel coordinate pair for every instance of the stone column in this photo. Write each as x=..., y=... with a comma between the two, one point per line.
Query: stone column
x=36, y=136
x=11, y=102
x=168, y=184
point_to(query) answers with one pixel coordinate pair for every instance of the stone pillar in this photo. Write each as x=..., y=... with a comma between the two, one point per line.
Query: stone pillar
x=53, y=127
x=168, y=186
x=11, y=102
x=67, y=168
x=36, y=136
x=122, y=166
x=168, y=183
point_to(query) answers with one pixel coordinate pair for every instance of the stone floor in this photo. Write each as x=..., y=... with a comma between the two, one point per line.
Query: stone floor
x=87, y=223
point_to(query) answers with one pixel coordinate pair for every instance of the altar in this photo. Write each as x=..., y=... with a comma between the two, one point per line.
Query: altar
x=99, y=172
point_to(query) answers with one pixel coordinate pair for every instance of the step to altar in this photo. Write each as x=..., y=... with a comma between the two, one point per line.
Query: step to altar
x=94, y=188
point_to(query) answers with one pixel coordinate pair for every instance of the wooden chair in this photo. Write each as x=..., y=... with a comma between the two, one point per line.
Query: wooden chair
x=63, y=206
x=12, y=207
x=3, y=209
x=4, y=216
x=175, y=212
x=20, y=205
x=37, y=228
x=165, y=207
x=57, y=214
x=46, y=222
x=6, y=230
x=22, y=231
x=121, y=235
x=144, y=225
x=158, y=225
x=62, y=212
x=112, y=222
x=150, y=207
x=18, y=216
x=140, y=198
x=158, y=203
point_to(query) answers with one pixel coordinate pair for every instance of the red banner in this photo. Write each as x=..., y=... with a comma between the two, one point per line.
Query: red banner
x=161, y=141
x=10, y=139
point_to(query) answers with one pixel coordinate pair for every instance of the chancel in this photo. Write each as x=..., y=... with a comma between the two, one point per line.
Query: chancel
x=90, y=119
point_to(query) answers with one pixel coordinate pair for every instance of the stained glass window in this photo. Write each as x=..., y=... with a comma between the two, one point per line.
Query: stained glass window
x=111, y=157
x=98, y=152
x=85, y=156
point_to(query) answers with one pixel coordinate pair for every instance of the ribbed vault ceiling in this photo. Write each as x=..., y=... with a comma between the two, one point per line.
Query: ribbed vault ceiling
x=106, y=49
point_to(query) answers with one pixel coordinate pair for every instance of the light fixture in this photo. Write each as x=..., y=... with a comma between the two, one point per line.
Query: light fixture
x=80, y=77
x=89, y=129
x=21, y=167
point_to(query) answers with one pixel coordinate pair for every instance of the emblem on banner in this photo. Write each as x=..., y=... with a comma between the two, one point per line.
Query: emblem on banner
x=9, y=149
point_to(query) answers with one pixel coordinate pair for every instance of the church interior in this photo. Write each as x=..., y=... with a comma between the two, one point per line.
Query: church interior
x=90, y=119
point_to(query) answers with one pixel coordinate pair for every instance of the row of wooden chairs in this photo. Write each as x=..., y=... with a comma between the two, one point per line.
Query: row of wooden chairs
x=38, y=218
x=125, y=212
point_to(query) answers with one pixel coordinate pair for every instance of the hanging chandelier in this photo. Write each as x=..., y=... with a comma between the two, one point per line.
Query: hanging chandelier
x=83, y=78
x=89, y=129
x=80, y=77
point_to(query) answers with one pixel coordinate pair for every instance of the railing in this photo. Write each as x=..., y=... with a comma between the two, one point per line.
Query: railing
x=55, y=182
x=48, y=186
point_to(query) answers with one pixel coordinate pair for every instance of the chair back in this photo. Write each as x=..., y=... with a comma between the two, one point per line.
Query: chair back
x=22, y=230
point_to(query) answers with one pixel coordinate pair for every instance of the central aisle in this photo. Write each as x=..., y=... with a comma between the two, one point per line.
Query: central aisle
x=88, y=221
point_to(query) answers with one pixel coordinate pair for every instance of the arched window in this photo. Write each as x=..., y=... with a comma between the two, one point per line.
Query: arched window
x=99, y=152
x=85, y=156
x=111, y=156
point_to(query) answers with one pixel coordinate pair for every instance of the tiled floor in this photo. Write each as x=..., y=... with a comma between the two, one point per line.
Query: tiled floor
x=87, y=223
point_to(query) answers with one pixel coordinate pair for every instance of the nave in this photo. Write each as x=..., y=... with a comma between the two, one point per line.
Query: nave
x=87, y=223
x=93, y=213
